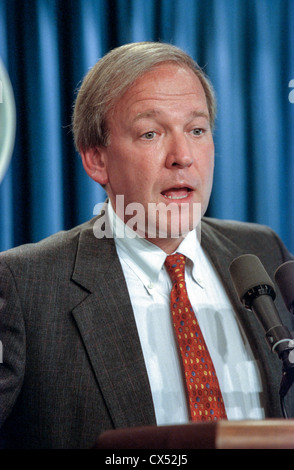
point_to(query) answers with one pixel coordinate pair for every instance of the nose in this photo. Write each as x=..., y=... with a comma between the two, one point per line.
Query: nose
x=178, y=153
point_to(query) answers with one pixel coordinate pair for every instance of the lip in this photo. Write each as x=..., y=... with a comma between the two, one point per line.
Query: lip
x=178, y=193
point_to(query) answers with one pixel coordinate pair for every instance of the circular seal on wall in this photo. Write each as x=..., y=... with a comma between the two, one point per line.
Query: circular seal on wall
x=7, y=120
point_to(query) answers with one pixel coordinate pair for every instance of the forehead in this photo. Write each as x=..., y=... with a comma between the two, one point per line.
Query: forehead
x=166, y=84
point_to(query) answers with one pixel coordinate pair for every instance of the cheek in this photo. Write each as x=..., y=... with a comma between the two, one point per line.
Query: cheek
x=210, y=166
x=144, y=170
x=132, y=182
x=206, y=162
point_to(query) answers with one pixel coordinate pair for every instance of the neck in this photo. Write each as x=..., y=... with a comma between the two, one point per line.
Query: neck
x=169, y=245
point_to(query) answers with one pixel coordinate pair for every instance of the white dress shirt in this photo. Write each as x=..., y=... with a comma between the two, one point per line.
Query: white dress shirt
x=149, y=287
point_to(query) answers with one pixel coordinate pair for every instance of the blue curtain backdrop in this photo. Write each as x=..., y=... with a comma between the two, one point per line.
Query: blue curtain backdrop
x=245, y=46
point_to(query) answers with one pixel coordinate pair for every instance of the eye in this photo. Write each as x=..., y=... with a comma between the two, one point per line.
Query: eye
x=197, y=131
x=148, y=135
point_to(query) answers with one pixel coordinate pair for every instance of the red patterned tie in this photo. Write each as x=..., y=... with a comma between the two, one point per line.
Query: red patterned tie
x=205, y=398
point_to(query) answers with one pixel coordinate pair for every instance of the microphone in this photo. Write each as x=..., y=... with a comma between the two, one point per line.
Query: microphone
x=284, y=277
x=256, y=292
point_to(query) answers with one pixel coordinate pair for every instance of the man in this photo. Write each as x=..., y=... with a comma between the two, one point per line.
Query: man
x=85, y=323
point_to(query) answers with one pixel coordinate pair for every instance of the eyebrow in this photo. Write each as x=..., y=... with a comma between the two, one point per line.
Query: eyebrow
x=151, y=113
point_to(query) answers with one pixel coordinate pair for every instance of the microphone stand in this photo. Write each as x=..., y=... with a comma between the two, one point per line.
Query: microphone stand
x=287, y=357
x=256, y=292
x=259, y=299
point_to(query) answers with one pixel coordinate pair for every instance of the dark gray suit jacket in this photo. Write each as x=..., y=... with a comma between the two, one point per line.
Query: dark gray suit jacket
x=72, y=360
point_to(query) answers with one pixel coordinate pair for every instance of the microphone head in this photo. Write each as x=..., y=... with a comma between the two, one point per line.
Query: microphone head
x=247, y=272
x=284, y=277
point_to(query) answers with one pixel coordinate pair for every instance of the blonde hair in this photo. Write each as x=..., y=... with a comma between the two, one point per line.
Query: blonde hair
x=110, y=78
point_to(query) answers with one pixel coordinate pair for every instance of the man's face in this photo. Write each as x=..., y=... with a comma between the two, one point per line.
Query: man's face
x=161, y=147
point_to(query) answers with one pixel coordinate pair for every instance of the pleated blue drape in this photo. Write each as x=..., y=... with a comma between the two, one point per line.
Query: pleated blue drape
x=247, y=49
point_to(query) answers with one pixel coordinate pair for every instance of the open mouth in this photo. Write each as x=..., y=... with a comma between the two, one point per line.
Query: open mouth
x=176, y=193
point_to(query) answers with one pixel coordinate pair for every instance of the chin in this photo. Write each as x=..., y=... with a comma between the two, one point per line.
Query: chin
x=167, y=230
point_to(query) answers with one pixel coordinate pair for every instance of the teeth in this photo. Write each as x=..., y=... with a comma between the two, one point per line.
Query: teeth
x=176, y=197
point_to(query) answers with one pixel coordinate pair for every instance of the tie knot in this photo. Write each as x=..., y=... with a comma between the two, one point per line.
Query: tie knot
x=175, y=265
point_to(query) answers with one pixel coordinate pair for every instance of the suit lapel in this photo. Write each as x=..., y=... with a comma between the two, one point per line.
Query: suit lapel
x=222, y=251
x=107, y=325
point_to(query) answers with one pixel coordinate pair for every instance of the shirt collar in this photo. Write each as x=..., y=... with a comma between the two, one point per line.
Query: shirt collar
x=191, y=248
x=145, y=258
x=142, y=256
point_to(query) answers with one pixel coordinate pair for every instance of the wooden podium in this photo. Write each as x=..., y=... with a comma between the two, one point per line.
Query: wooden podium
x=264, y=434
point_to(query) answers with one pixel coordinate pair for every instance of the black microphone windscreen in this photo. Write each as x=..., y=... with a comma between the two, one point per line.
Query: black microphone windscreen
x=247, y=272
x=284, y=277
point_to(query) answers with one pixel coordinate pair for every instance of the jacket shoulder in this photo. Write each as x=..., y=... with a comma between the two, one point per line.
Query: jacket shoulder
x=248, y=236
x=234, y=227
x=57, y=249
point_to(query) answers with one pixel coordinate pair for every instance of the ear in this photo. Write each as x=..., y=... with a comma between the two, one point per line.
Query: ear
x=94, y=162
